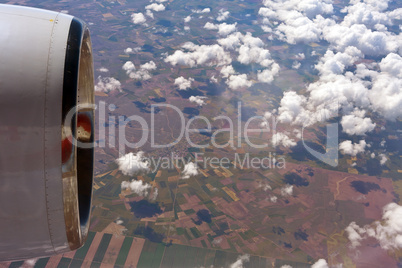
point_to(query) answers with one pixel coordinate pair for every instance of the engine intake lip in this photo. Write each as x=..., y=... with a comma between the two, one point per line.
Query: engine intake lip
x=77, y=133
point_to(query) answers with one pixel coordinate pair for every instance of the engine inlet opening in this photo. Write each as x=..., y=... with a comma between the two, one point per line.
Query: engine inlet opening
x=85, y=132
x=78, y=134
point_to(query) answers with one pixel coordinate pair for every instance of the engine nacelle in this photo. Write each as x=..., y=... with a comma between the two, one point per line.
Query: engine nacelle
x=46, y=152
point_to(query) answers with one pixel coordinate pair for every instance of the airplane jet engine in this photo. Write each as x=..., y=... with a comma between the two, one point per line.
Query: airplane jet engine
x=46, y=132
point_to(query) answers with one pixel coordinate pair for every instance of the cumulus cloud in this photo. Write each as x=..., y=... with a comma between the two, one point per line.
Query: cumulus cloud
x=183, y=83
x=155, y=7
x=280, y=138
x=149, y=14
x=347, y=147
x=30, y=263
x=190, y=169
x=268, y=75
x=273, y=199
x=296, y=65
x=222, y=15
x=199, y=100
x=370, y=42
x=199, y=11
x=226, y=71
x=254, y=54
x=383, y=159
x=210, y=26
x=238, y=81
x=332, y=63
x=107, y=84
x=388, y=231
x=287, y=190
x=223, y=28
x=103, y=70
x=187, y=19
x=321, y=263
x=143, y=73
x=199, y=55
x=240, y=261
x=131, y=50
x=354, y=125
x=138, y=18
x=131, y=163
x=264, y=186
x=292, y=108
x=386, y=93
x=139, y=187
x=154, y=195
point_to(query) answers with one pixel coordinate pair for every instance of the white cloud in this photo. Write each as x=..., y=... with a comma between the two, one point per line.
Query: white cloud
x=388, y=231
x=138, y=18
x=250, y=54
x=292, y=107
x=190, y=169
x=155, y=7
x=103, y=70
x=149, y=66
x=370, y=42
x=332, y=63
x=30, y=263
x=131, y=163
x=347, y=147
x=139, y=187
x=238, y=81
x=187, y=19
x=280, y=138
x=287, y=190
x=300, y=56
x=231, y=41
x=107, y=84
x=222, y=15
x=264, y=186
x=226, y=71
x=198, y=11
x=143, y=73
x=300, y=29
x=321, y=263
x=240, y=261
x=383, y=159
x=199, y=100
x=223, y=28
x=268, y=75
x=149, y=14
x=199, y=55
x=386, y=93
x=296, y=65
x=273, y=199
x=210, y=26
x=131, y=50
x=183, y=83
x=266, y=12
x=154, y=195
x=354, y=125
